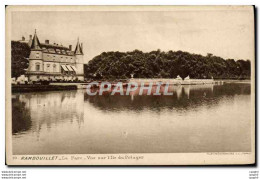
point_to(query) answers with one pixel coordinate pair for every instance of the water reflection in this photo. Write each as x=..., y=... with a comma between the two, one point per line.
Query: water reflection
x=184, y=97
x=48, y=108
x=21, y=118
x=196, y=118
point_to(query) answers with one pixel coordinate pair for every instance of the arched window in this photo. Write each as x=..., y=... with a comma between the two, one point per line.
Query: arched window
x=48, y=67
x=37, y=66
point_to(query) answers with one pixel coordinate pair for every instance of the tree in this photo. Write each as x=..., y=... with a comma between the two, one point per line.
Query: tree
x=19, y=58
x=158, y=64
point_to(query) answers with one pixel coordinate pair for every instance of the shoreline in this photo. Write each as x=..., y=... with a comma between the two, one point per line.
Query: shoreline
x=23, y=88
x=41, y=88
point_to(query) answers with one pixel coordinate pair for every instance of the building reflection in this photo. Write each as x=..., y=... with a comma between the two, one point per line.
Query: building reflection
x=52, y=108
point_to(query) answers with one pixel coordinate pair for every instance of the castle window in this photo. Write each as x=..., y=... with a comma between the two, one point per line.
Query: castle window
x=37, y=66
x=48, y=67
x=51, y=50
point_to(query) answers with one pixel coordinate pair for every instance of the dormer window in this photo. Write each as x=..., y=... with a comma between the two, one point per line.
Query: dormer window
x=58, y=50
x=51, y=50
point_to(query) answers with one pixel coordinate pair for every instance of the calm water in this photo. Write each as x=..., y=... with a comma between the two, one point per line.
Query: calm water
x=198, y=118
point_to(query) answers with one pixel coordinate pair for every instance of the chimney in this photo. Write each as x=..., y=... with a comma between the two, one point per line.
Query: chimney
x=70, y=47
x=23, y=38
x=30, y=37
x=47, y=41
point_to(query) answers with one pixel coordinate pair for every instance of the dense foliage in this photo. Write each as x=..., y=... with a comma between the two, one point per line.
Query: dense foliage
x=158, y=64
x=19, y=58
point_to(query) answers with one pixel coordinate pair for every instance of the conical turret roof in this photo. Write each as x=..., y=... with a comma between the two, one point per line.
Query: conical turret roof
x=78, y=49
x=35, y=42
x=81, y=50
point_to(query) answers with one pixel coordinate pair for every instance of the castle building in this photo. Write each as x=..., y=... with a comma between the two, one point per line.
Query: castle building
x=53, y=62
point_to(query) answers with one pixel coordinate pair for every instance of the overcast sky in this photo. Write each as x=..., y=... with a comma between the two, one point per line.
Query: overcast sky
x=228, y=34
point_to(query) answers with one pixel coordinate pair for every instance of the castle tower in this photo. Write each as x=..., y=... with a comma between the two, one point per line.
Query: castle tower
x=79, y=61
x=35, y=60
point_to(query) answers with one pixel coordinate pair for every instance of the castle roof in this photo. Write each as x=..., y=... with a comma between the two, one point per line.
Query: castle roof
x=56, y=49
x=78, y=49
x=35, y=43
x=49, y=48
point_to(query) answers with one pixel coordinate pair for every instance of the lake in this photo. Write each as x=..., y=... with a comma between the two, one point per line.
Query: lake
x=196, y=118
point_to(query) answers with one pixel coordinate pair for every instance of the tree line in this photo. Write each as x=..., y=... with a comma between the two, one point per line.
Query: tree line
x=154, y=64
x=159, y=64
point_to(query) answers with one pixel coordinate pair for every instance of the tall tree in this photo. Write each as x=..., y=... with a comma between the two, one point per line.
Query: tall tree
x=19, y=58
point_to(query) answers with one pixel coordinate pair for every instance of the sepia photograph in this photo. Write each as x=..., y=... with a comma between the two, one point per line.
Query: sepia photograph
x=130, y=85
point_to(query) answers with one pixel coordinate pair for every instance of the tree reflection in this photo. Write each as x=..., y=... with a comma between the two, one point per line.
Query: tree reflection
x=184, y=97
x=21, y=119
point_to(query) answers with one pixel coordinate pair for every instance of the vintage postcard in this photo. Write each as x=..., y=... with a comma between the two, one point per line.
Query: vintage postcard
x=130, y=85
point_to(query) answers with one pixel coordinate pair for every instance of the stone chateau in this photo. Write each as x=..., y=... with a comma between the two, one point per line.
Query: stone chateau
x=53, y=62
